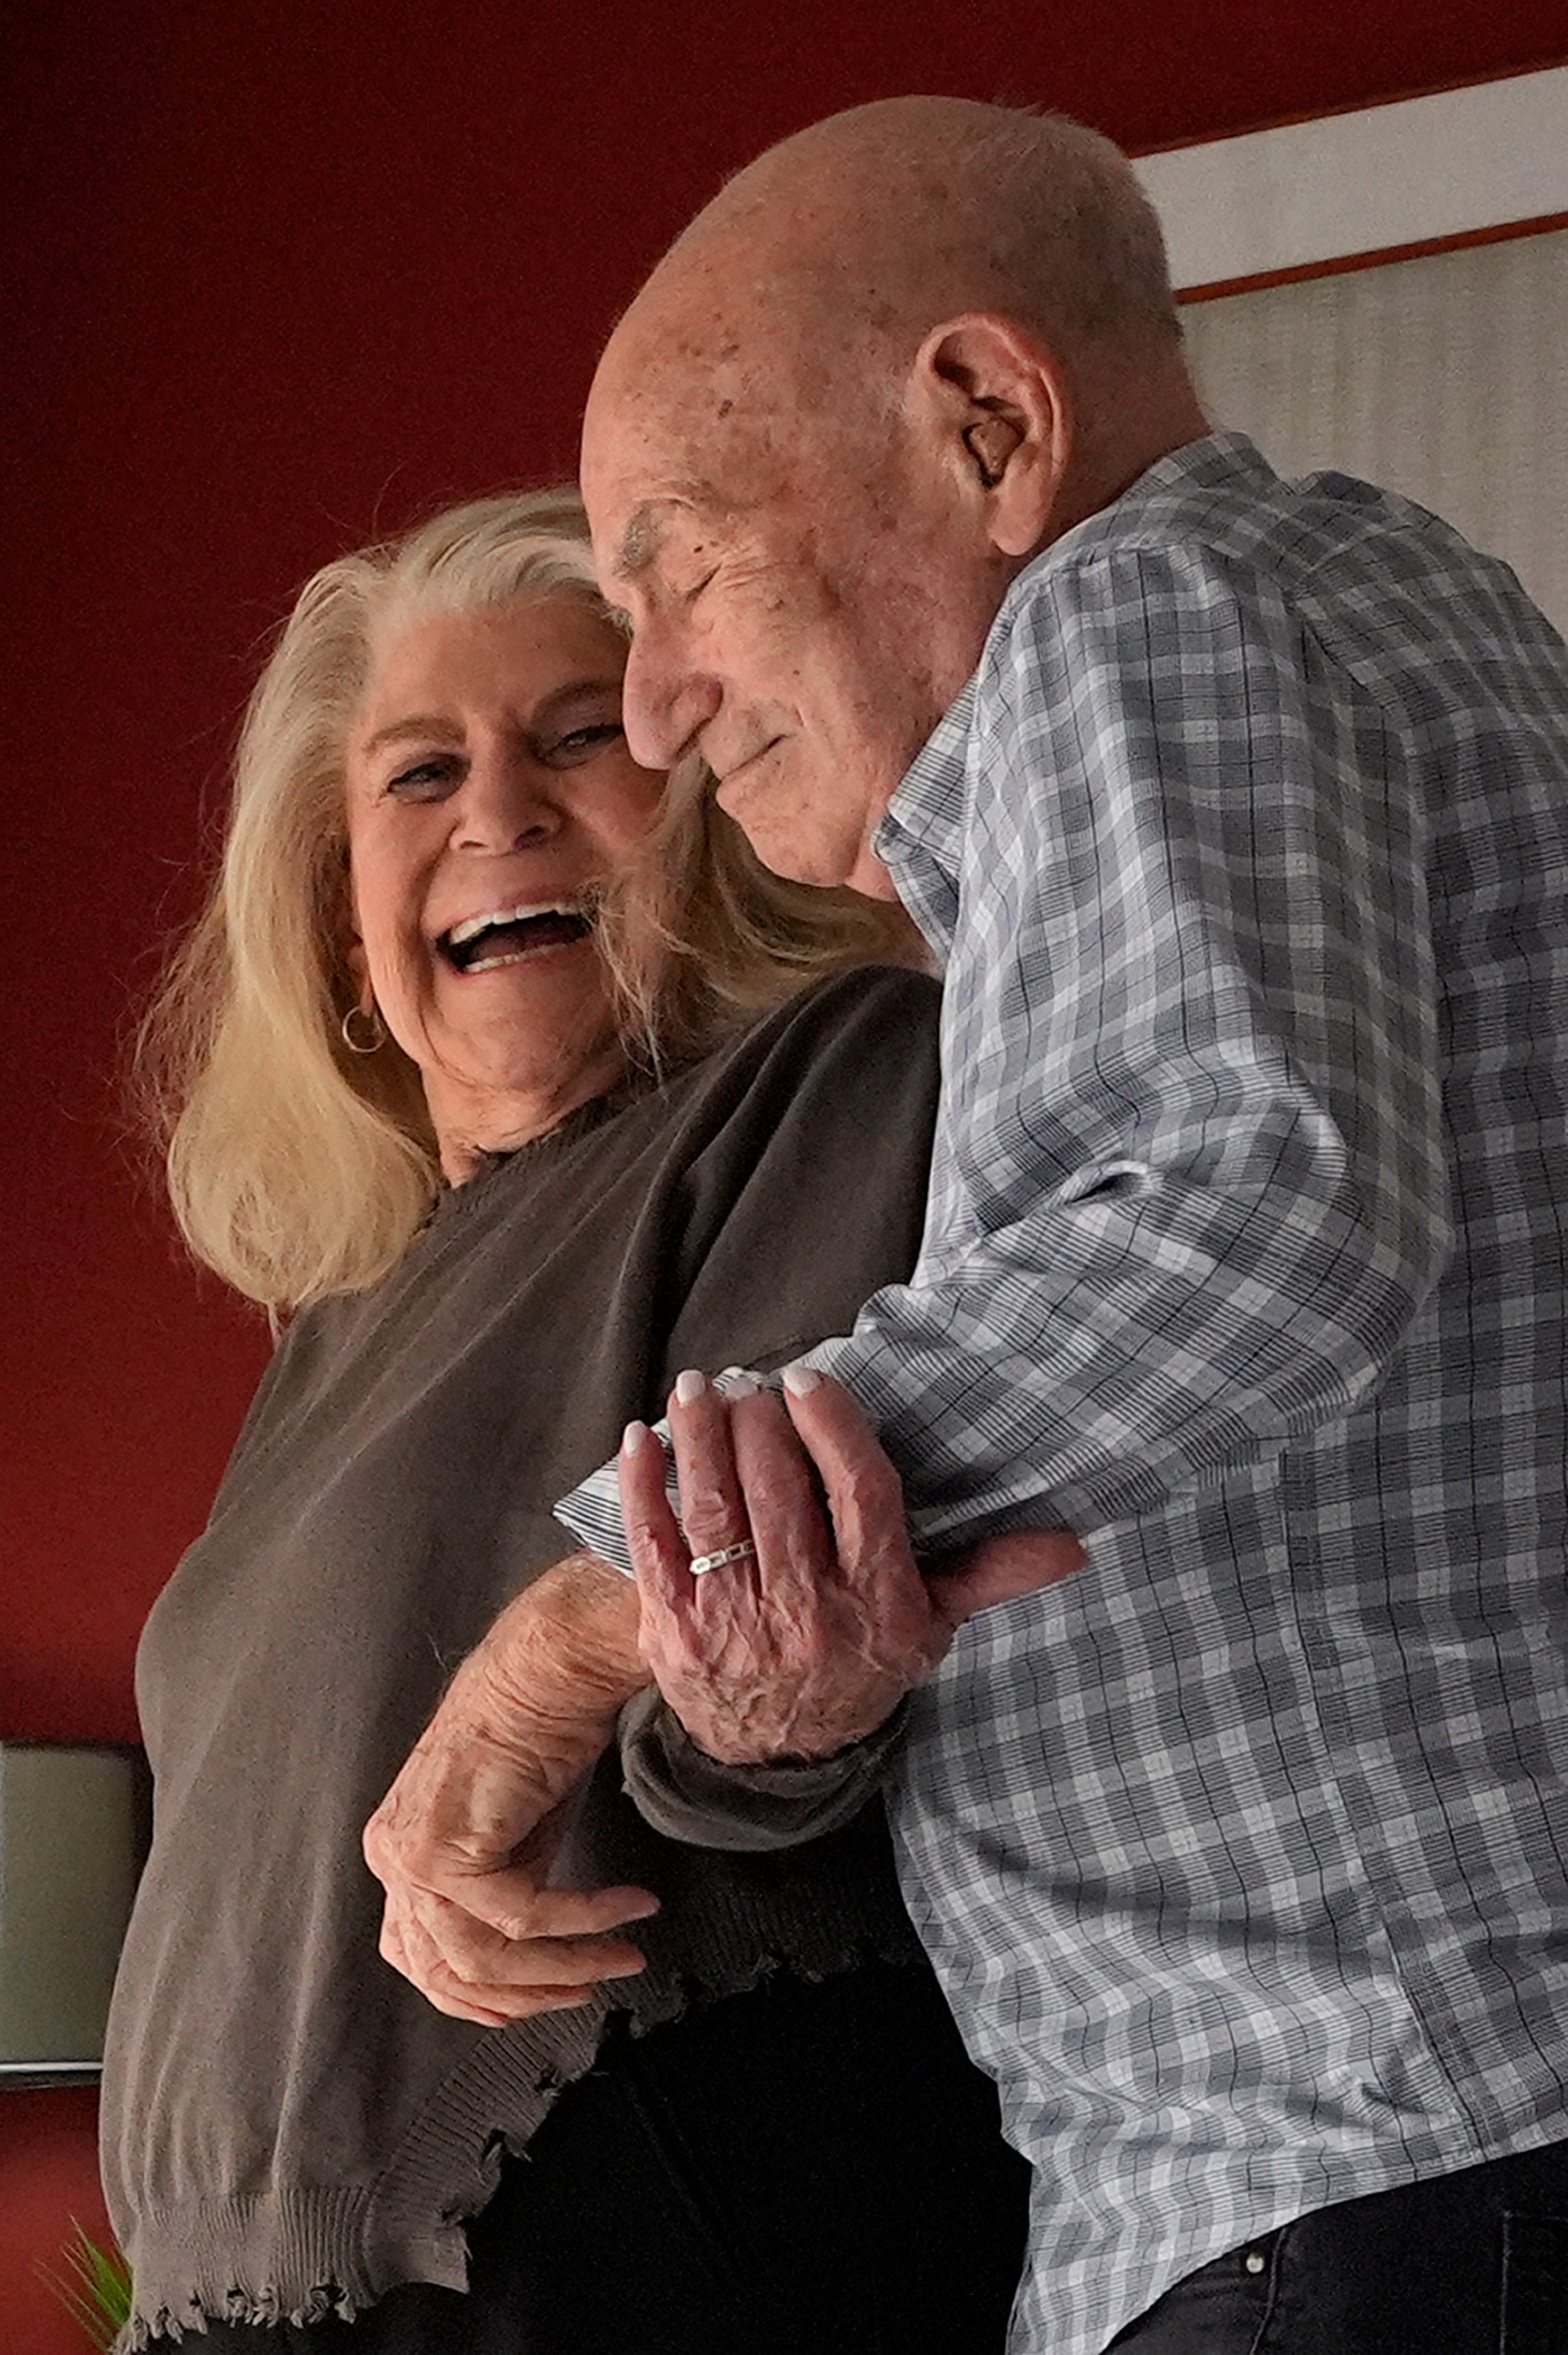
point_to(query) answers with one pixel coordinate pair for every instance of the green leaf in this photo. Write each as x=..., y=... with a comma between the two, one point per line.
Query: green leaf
x=97, y=2290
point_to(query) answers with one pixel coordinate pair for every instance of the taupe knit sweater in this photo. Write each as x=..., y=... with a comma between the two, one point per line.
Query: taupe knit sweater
x=288, y=2128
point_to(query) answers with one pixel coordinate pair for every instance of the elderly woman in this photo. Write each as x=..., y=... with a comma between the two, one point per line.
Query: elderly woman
x=501, y=1076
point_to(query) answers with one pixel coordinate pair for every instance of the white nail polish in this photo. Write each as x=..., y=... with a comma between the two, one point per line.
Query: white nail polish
x=802, y=1381
x=738, y=1384
x=632, y=1437
x=689, y=1386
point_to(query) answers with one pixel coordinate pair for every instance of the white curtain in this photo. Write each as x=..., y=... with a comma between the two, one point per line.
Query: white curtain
x=1446, y=378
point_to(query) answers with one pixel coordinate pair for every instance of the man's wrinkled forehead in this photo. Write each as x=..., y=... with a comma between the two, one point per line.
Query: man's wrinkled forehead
x=703, y=376
x=655, y=469
x=649, y=413
x=642, y=478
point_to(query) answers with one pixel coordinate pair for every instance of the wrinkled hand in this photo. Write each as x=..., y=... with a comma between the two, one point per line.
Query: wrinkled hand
x=464, y=1840
x=811, y=1645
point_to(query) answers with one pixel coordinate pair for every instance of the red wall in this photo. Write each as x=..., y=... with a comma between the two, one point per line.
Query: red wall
x=286, y=275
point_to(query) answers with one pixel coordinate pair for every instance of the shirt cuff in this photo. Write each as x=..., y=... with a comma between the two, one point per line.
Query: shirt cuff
x=592, y=1511
x=691, y=1797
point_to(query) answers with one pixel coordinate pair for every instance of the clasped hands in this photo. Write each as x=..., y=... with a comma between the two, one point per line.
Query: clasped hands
x=792, y=1651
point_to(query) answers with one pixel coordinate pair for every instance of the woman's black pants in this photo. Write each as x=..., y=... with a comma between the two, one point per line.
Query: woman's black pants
x=806, y=2169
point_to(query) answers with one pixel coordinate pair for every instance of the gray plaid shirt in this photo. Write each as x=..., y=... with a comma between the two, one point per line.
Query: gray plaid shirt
x=1243, y=1855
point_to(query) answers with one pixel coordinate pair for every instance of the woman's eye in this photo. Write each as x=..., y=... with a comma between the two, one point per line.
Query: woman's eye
x=582, y=743
x=424, y=781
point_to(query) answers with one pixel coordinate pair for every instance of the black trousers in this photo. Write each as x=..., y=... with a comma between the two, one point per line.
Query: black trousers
x=801, y=2170
x=1470, y=2263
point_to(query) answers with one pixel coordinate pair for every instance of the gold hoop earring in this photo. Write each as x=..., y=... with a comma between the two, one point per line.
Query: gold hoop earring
x=377, y=1037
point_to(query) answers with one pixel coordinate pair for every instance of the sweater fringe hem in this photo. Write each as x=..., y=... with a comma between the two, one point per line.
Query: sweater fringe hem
x=308, y=2255
x=323, y=2304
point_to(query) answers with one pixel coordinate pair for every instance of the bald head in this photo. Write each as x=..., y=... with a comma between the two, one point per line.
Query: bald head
x=894, y=358
x=842, y=245
x=896, y=214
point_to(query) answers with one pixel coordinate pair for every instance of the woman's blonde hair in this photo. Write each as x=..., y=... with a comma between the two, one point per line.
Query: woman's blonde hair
x=297, y=1168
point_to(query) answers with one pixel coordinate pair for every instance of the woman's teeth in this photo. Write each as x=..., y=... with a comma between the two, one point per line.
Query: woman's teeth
x=505, y=936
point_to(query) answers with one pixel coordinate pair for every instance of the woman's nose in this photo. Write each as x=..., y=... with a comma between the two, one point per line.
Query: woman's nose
x=666, y=700
x=508, y=799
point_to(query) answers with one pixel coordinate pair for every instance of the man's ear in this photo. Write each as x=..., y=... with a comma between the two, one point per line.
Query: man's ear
x=998, y=403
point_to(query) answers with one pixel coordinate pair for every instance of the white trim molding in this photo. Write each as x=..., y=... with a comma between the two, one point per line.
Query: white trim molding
x=1416, y=173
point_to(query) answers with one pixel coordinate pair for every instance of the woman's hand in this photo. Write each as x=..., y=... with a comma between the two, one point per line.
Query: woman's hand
x=807, y=1644
x=464, y=1840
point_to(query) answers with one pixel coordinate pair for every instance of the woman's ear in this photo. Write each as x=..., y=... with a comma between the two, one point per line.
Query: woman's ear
x=354, y=962
x=998, y=403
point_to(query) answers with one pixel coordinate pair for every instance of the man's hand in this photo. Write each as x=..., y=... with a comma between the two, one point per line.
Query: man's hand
x=463, y=1841
x=807, y=1645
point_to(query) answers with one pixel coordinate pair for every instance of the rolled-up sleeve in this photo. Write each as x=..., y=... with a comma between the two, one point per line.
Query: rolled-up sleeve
x=779, y=1803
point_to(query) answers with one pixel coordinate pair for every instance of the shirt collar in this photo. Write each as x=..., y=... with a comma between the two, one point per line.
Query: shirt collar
x=919, y=838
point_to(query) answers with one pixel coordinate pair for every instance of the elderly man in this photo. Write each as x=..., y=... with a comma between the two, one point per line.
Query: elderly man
x=1235, y=813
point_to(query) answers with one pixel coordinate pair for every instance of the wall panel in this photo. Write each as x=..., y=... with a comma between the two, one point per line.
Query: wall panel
x=1446, y=378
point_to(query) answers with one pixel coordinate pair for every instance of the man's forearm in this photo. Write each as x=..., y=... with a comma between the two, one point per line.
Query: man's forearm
x=464, y=1840
x=564, y=1654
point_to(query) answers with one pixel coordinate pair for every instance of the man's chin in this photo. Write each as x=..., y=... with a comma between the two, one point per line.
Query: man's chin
x=786, y=842
x=783, y=854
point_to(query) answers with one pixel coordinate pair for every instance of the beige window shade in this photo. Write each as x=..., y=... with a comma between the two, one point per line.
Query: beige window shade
x=1446, y=378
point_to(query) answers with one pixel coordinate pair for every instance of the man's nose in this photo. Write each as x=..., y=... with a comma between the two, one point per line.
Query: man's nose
x=665, y=700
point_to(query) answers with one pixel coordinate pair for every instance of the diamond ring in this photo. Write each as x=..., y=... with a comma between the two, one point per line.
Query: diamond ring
x=724, y=1555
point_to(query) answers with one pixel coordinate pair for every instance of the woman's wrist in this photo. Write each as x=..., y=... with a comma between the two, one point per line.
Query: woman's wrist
x=566, y=1646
